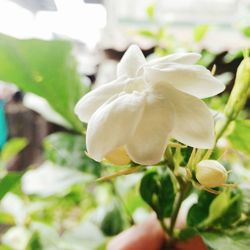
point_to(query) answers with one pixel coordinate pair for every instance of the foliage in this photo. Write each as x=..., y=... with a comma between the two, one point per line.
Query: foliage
x=45, y=68
x=157, y=189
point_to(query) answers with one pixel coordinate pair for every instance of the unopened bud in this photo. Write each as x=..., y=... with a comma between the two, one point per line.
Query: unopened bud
x=211, y=173
x=118, y=156
x=240, y=90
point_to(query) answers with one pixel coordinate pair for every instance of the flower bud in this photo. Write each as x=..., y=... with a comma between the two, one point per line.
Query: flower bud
x=211, y=173
x=118, y=156
x=240, y=90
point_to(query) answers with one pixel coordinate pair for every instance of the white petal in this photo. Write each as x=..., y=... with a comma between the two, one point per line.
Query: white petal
x=194, y=124
x=131, y=61
x=149, y=141
x=183, y=58
x=113, y=123
x=90, y=102
x=193, y=79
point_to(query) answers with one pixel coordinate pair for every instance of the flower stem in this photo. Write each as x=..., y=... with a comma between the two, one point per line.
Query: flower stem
x=184, y=189
x=163, y=225
x=118, y=196
x=169, y=158
x=222, y=128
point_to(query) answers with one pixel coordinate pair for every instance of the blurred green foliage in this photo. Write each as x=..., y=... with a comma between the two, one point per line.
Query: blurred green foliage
x=45, y=68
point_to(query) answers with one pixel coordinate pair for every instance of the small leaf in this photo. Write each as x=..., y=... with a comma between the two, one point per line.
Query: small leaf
x=234, y=210
x=218, y=207
x=240, y=136
x=12, y=148
x=8, y=182
x=159, y=192
x=200, y=31
x=199, y=211
x=112, y=222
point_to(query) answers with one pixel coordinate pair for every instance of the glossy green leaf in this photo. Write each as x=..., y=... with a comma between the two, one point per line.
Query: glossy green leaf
x=158, y=190
x=8, y=182
x=240, y=136
x=200, y=210
x=45, y=68
x=218, y=207
x=12, y=148
x=232, y=213
x=69, y=150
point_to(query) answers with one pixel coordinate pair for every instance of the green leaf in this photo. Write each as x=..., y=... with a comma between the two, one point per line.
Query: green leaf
x=240, y=136
x=68, y=150
x=158, y=191
x=216, y=210
x=12, y=148
x=8, y=182
x=45, y=68
x=199, y=211
x=233, y=212
x=218, y=241
x=200, y=31
x=112, y=222
x=218, y=207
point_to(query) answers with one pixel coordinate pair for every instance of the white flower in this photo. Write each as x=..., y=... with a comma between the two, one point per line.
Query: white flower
x=149, y=103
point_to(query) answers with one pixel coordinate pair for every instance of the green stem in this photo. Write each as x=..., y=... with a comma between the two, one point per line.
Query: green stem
x=184, y=189
x=222, y=128
x=164, y=227
x=118, y=196
x=169, y=158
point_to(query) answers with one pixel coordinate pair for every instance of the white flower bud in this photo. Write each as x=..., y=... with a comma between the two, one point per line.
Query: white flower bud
x=211, y=173
x=118, y=156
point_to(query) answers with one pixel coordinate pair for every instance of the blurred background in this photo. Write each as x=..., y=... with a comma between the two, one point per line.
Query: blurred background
x=54, y=51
